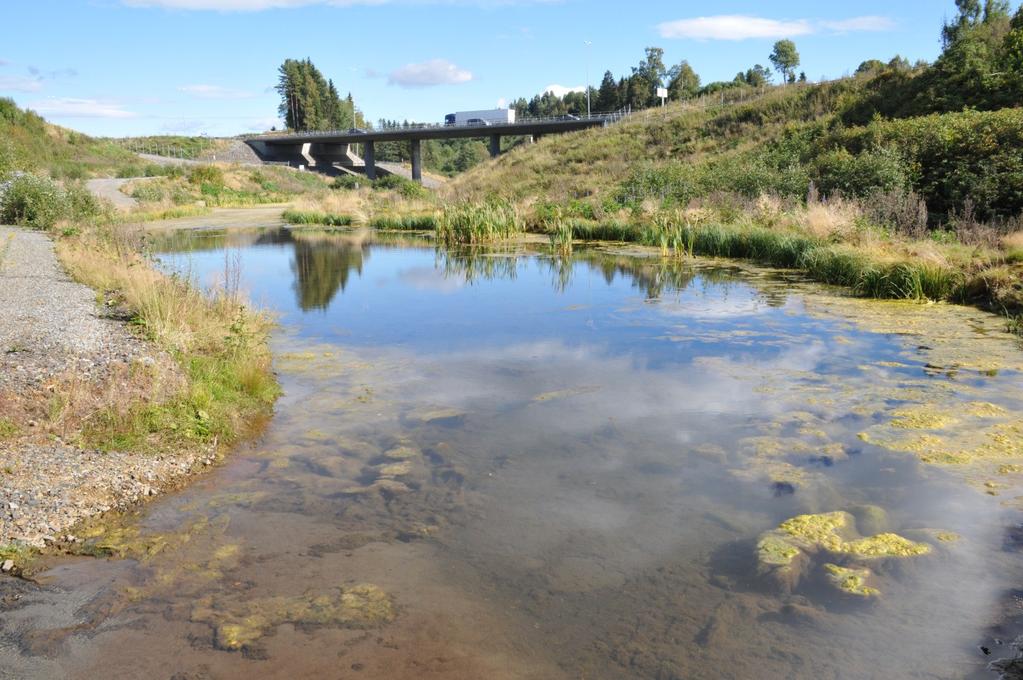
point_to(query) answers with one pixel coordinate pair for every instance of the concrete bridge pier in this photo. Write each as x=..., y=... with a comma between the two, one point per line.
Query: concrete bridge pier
x=495, y=146
x=417, y=160
x=370, y=159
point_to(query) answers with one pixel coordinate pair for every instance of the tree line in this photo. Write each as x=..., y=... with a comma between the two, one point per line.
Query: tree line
x=638, y=89
x=311, y=102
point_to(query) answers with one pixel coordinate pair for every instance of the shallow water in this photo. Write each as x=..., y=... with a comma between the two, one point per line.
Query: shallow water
x=506, y=466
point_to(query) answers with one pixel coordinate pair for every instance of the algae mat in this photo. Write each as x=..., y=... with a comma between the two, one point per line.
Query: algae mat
x=503, y=465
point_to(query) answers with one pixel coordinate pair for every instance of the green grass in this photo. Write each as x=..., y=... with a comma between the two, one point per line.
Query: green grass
x=317, y=217
x=822, y=261
x=404, y=222
x=7, y=428
x=473, y=223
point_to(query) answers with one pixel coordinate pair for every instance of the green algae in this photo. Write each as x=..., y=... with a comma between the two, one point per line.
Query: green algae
x=784, y=554
x=885, y=545
x=776, y=551
x=239, y=625
x=850, y=581
x=922, y=418
x=821, y=530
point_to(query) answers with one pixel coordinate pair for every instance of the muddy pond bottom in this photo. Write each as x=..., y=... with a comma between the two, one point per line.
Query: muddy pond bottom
x=506, y=465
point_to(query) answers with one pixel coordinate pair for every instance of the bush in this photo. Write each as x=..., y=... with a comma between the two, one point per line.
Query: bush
x=207, y=175
x=148, y=192
x=403, y=186
x=873, y=171
x=39, y=202
x=350, y=182
x=33, y=201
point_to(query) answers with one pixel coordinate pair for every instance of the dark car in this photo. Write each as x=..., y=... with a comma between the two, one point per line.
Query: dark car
x=477, y=121
x=356, y=131
x=568, y=116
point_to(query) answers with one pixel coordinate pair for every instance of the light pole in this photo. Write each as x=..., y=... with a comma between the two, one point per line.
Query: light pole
x=588, y=45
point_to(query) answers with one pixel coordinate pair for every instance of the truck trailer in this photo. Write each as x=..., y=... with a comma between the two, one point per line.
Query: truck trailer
x=487, y=117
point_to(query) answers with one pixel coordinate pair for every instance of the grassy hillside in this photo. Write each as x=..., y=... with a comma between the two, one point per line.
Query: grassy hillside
x=777, y=144
x=926, y=207
x=27, y=142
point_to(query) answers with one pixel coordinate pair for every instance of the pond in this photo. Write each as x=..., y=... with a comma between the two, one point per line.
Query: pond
x=500, y=464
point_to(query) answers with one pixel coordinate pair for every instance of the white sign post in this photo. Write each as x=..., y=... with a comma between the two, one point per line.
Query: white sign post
x=662, y=92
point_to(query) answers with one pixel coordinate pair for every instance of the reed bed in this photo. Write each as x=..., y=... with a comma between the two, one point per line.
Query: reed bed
x=474, y=223
x=298, y=217
x=404, y=222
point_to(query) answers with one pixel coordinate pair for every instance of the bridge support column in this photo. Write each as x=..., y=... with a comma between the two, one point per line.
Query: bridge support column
x=417, y=160
x=495, y=146
x=370, y=158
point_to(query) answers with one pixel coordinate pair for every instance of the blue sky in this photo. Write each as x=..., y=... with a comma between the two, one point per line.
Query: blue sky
x=128, y=67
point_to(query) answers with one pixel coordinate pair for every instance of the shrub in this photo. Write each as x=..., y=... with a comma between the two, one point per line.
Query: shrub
x=350, y=182
x=207, y=175
x=870, y=172
x=403, y=186
x=148, y=192
x=33, y=201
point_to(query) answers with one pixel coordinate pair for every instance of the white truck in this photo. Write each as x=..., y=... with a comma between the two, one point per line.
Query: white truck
x=487, y=117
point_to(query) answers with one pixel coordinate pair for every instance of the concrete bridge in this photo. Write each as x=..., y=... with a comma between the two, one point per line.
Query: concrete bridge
x=330, y=151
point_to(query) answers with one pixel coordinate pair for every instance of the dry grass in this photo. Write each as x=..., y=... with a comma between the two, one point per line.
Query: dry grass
x=219, y=346
x=834, y=220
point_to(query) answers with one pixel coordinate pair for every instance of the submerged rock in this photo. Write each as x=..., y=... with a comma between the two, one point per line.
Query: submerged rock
x=785, y=554
x=870, y=519
x=239, y=625
x=850, y=581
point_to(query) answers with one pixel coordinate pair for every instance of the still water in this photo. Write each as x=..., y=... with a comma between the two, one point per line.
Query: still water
x=503, y=465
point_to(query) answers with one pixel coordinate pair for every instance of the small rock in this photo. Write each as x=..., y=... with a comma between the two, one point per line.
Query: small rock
x=7, y=565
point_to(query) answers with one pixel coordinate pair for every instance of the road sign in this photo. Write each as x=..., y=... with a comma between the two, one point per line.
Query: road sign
x=662, y=92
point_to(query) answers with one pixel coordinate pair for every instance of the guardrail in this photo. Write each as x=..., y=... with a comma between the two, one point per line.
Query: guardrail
x=605, y=118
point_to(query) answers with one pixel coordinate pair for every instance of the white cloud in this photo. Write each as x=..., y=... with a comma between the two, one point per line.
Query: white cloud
x=867, y=23
x=264, y=124
x=70, y=107
x=562, y=90
x=184, y=127
x=744, y=27
x=732, y=27
x=20, y=84
x=214, y=92
x=429, y=73
x=260, y=5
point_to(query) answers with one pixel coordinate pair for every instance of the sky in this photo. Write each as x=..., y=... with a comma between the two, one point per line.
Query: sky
x=133, y=67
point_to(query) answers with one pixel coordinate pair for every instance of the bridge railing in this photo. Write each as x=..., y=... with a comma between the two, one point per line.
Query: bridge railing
x=605, y=118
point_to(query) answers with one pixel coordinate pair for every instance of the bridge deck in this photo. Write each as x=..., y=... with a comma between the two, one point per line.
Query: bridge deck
x=535, y=127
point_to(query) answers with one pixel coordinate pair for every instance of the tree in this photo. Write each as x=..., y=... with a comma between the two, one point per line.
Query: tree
x=607, y=96
x=646, y=78
x=683, y=82
x=758, y=76
x=308, y=100
x=870, y=66
x=785, y=59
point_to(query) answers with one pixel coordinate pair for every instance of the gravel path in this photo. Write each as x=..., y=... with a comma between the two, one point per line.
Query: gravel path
x=110, y=189
x=52, y=334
